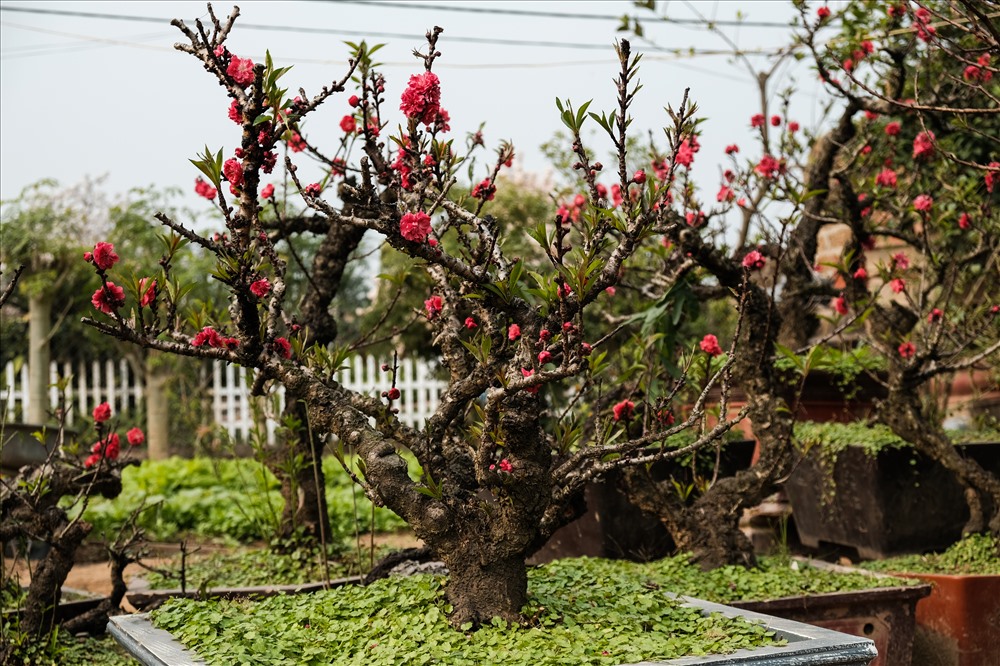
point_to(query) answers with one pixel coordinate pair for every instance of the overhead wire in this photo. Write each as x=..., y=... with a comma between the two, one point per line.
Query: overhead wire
x=546, y=14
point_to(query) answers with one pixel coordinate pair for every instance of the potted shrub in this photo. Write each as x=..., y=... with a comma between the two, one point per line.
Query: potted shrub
x=860, y=485
x=957, y=622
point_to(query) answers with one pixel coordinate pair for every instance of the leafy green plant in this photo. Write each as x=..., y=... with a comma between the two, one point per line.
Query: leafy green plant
x=230, y=499
x=580, y=611
x=248, y=567
x=974, y=554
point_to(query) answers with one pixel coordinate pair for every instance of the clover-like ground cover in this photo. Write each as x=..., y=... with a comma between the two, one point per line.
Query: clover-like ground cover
x=580, y=611
x=974, y=554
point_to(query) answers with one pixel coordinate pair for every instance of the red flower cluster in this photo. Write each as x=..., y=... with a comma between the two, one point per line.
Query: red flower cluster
x=202, y=188
x=422, y=98
x=485, y=190
x=103, y=256
x=268, y=191
x=295, y=142
x=840, y=305
x=686, y=151
x=923, y=202
x=898, y=285
x=349, y=124
x=108, y=298
x=415, y=226
x=241, y=70
x=623, y=410
x=209, y=336
x=282, y=347
x=893, y=128
x=470, y=323
x=513, y=332
x=980, y=73
x=527, y=372
x=232, y=169
x=433, y=307
x=102, y=412
x=234, y=112
x=907, y=349
x=710, y=345
x=504, y=466
x=886, y=178
x=923, y=145
x=754, y=260
x=769, y=167
x=260, y=288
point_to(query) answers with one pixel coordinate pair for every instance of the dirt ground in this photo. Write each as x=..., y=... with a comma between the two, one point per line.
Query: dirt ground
x=95, y=577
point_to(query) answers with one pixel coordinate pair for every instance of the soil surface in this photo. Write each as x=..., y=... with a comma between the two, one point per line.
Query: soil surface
x=94, y=577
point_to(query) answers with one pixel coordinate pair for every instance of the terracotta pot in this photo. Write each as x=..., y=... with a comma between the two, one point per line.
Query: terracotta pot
x=959, y=623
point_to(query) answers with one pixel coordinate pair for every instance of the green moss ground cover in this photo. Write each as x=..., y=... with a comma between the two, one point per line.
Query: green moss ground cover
x=581, y=611
x=974, y=554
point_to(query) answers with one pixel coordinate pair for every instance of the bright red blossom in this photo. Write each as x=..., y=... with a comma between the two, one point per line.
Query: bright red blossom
x=104, y=256
x=732, y=148
x=108, y=298
x=233, y=171
x=528, y=372
x=241, y=70
x=900, y=261
x=823, y=13
x=349, y=124
x=860, y=274
x=415, y=226
x=964, y=221
x=923, y=145
x=544, y=357
x=754, y=260
x=923, y=202
x=935, y=315
x=757, y=120
x=470, y=323
x=433, y=306
x=710, y=345
x=623, y=410
x=886, y=178
x=147, y=287
x=102, y=412
x=135, y=437
x=203, y=189
x=282, y=347
x=514, y=332
x=840, y=305
x=422, y=98
x=898, y=285
x=907, y=349
x=268, y=191
x=991, y=176
x=892, y=129
x=260, y=288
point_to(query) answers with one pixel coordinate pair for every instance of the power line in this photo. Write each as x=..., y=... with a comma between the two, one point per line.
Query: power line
x=559, y=15
x=322, y=31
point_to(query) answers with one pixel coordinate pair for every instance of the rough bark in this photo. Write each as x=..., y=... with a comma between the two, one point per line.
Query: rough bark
x=480, y=590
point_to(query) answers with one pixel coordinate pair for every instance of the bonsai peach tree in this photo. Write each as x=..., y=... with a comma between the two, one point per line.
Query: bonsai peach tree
x=916, y=186
x=521, y=427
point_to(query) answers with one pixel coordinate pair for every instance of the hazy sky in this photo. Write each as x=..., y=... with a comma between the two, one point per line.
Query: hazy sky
x=92, y=95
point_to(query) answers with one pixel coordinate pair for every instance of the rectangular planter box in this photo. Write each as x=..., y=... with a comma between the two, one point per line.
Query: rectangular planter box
x=894, y=503
x=959, y=623
x=807, y=645
x=885, y=615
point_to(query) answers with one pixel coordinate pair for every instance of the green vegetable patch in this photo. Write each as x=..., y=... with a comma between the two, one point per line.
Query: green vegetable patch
x=974, y=554
x=580, y=611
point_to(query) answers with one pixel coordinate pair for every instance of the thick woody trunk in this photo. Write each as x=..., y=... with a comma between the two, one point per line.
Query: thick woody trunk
x=39, y=356
x=482, y=587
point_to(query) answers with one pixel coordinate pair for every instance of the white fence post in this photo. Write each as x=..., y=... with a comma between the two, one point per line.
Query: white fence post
x=116, y=383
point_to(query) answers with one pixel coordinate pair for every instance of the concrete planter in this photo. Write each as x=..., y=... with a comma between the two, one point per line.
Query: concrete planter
x=807, y=645
x=19, y=447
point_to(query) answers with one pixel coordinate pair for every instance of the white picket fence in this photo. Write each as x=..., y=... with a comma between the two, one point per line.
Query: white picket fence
x=116, y=383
